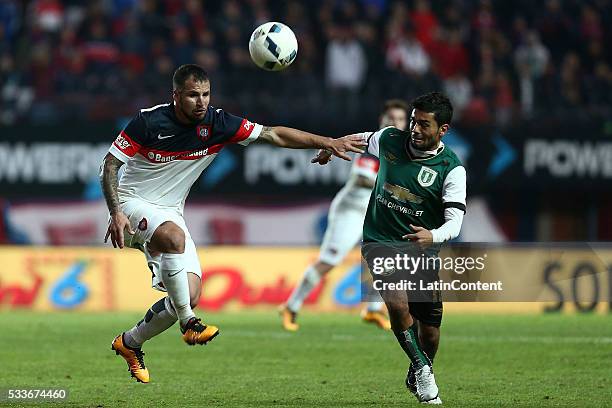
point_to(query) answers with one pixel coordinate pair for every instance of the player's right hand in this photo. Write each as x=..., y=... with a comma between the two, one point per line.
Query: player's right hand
x=118, y=223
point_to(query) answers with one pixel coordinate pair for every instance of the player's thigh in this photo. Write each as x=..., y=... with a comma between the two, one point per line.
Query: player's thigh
x=145, y=219
x=342, y=234
x=385, y=281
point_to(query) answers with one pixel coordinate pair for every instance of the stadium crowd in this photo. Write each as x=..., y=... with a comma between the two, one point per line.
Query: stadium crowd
x=498, y=61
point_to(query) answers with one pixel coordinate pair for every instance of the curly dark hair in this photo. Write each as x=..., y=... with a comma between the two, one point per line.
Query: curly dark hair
x=436, y=103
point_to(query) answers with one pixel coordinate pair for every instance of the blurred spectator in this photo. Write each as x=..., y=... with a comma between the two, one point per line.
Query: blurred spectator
x=425, y=23
x=405, y=53
x=10, y=22
x=450, y=55
x=47, y=14
x=504, y=99
x=16, y=96
x=570, y=81
x=556, y=28
x=590, y=24
x=346, y=64
x=458, y=88
x=532, y=55
x=599, y=85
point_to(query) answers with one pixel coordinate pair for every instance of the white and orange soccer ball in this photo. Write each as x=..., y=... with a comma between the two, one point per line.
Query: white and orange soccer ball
x=273, y=46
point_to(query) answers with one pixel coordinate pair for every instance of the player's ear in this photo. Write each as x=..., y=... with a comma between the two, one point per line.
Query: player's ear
x=443, y=129
x=175, y=95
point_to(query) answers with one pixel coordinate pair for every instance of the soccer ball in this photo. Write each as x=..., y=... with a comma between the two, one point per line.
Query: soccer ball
x=273, y=46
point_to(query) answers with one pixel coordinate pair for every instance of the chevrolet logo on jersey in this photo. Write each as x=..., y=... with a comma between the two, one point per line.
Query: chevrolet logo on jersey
x=390, y=157
x=402, y=194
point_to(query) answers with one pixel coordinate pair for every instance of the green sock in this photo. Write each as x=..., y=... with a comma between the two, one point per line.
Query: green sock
x=409, y=341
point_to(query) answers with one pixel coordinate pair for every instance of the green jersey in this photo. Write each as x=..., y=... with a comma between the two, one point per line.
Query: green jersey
x=411, y=188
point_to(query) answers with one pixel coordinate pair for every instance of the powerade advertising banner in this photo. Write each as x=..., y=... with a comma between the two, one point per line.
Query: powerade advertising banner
x=236, y=278
x=62, y=162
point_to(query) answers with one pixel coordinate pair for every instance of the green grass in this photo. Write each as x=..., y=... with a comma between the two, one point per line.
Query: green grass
x=334, y=360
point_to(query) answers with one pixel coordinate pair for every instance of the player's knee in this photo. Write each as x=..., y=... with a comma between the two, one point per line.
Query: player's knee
x=169, y=238
x=174, y=242
x=398, y=310
x=429, y=334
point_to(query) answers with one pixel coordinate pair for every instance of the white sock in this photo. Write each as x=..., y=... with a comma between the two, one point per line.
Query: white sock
x=374, y=301
x=310, y=279
x=157, y=319
x=174, y=277
x=375, y=306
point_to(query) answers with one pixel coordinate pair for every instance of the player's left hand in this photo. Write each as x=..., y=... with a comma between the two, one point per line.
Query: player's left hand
x=351, y=143
x=421, y=236
x=323, y=157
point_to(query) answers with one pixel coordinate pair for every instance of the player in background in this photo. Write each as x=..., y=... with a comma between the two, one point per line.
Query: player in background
x=165, y=149
x=345, y=224
x=419, y=197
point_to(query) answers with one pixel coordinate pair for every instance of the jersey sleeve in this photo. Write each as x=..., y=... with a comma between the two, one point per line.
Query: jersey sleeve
x=453, y=199
x=374, y=142
x=454, y=189
x=130, y=139
x=234, y=129
x=365, y=165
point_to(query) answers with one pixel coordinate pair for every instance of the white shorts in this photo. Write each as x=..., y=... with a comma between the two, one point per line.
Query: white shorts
x=344, y=229
x=145, y=218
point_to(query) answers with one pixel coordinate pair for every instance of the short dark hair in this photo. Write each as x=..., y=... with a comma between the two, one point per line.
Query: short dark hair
x=396, y=104
x=184, y=72
x=436, y=103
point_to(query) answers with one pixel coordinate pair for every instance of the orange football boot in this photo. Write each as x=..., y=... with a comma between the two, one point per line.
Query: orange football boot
x=195, y=332
x=377, y=318
x=288, y=318
x=134, y=359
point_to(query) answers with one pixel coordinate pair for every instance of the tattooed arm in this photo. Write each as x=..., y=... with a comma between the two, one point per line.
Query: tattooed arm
x=118, y=220
x=297, y=139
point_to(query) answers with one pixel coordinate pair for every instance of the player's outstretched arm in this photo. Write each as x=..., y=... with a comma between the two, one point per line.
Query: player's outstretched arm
x=324, y=155
x=297, y=139
x=110, y=181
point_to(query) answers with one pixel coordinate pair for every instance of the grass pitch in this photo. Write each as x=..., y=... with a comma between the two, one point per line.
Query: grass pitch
x=334, y=360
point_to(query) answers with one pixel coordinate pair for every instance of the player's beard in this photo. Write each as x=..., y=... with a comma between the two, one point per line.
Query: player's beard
x=431, y=143
x=190, y=116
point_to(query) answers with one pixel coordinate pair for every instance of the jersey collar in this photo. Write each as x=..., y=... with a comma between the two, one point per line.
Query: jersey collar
x=416, y=154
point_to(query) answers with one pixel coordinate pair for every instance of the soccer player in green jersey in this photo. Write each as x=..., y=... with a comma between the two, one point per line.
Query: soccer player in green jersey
x=419, y=197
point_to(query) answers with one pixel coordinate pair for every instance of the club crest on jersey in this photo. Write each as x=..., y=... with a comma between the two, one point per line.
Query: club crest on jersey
x=142, y=225
x=203, y=132
x=426, y=176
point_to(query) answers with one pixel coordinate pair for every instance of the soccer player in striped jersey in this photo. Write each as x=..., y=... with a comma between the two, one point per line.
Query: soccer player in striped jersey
x=164, y=150
x=345, y=224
